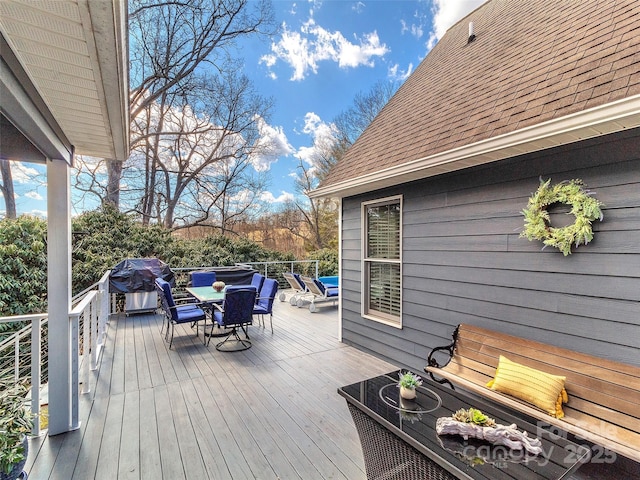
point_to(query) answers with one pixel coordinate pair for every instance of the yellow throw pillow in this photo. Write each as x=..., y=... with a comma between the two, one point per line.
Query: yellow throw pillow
x=541, y=389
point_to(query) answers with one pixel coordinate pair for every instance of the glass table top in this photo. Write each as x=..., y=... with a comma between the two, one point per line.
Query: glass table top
x=206, y=294
x=414, y=422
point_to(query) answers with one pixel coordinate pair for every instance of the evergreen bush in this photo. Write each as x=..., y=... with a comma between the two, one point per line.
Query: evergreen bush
x=101, y=239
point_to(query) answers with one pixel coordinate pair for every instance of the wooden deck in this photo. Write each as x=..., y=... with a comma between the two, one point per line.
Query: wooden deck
x=271, y=412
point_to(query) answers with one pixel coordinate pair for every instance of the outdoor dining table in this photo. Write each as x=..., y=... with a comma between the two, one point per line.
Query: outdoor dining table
x=399, y=440
x=207, y=296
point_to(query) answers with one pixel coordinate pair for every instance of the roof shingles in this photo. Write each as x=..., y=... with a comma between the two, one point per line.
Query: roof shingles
x=530, y=63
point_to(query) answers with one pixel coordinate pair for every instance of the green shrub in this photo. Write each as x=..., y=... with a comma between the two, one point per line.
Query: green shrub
x=327, y=261
x=103, y=238
x=23, y=266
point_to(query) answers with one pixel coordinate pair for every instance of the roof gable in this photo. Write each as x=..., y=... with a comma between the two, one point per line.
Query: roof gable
x=531, y=64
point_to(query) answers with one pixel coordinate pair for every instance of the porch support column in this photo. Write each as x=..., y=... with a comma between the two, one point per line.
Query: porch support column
x=340, y=277
x=63, y=413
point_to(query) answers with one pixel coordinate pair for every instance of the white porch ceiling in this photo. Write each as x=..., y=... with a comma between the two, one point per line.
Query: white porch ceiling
x=75, y=54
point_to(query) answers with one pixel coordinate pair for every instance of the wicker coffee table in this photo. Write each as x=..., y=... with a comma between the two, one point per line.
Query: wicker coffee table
x=399, y=440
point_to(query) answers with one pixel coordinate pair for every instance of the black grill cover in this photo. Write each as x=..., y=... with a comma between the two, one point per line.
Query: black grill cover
x=235, y=275
x=138, y=275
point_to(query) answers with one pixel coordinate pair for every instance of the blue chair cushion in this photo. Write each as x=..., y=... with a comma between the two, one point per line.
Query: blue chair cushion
x=188, y=314
x=261, y=310
x=332, y=292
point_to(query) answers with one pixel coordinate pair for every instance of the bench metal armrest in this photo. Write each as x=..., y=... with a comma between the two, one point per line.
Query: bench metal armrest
x=432, y=362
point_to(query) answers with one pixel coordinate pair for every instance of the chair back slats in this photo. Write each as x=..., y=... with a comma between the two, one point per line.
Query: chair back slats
x=298, y=278
x=293, y=280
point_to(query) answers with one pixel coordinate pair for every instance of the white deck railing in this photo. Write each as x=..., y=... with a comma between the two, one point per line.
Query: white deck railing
x=25, y=343
x=23, y=355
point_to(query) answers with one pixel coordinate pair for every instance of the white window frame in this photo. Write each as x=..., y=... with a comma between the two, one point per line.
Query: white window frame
x=374, y=315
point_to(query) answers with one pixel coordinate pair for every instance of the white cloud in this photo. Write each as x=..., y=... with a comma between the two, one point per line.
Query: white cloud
x=314, y=126
x=303, y=50
x=323, y=135
x=268, y=197
x=417, y=30
x=273, y=143
x=416, y=27
x=33, y=195
x=358, y=7
x=307, y=154
x=22, y=173
x=400, y=75
x=446, y=13
x=38, y=213
x=243, y=197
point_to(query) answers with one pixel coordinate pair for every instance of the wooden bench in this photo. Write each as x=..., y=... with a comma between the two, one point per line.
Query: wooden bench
x=604, y=395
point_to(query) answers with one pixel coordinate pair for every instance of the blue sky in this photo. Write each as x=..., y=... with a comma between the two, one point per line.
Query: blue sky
x=325, y=54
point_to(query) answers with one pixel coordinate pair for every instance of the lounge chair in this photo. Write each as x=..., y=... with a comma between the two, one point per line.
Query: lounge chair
x=298, y=286
x=318, y=292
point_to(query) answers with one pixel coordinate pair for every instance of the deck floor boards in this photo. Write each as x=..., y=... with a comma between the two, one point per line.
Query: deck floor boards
x=192, y=412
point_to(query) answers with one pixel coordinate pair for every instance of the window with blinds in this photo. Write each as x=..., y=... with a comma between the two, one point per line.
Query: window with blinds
x=382, y=260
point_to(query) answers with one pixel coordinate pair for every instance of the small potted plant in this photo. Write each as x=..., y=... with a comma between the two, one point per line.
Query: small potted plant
x=408, y=382
x=218, y=286
x=15, y=423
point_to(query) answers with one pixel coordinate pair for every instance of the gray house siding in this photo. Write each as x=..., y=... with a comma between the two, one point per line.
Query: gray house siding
x=463, y=260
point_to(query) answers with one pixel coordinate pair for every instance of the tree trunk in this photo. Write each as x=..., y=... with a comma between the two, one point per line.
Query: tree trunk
x=114, y=169
x=7, y=189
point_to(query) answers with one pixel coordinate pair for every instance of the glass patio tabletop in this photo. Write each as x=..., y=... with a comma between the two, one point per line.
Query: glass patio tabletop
x=414, y=423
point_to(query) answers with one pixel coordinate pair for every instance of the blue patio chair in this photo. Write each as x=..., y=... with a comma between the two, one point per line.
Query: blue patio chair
x=267, y=295
x=257, y=280
x=235, y=313
x=202, y=279
x=318, y=291
x=174, y=314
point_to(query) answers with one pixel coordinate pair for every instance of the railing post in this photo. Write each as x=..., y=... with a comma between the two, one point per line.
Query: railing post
x=87, y=322
x=16, y=354
x=75, y=341
x=36, y=349
x=33, y=330
x=95, y=329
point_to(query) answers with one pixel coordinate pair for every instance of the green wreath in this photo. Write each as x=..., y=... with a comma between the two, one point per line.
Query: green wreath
x=584, y=207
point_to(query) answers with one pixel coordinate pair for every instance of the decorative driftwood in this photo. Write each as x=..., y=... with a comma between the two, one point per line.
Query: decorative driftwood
x=509, y=435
